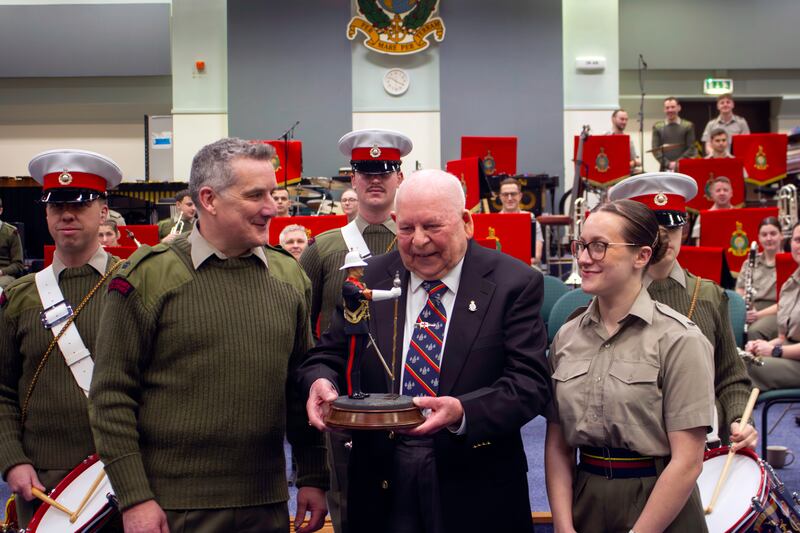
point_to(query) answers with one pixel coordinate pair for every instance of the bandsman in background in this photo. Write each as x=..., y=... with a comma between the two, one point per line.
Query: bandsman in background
x=702, y=301
x=11, y=266
x=673, y=137
x=183, y=222
x=294, y=239
x=781, y=355
x=763, y=316
x=44, y=420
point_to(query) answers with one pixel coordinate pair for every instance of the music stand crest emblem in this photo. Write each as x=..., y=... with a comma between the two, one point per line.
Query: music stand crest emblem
x=739, y=243
x=397, y=27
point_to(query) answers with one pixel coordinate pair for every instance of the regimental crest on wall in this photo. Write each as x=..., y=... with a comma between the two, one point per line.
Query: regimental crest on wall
x=397, y=26
x=739, y=241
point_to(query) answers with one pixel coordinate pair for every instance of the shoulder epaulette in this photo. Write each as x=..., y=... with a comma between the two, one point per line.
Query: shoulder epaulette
x=681, y=319
x=151, y=272
x=278, y=249
x=21, y=294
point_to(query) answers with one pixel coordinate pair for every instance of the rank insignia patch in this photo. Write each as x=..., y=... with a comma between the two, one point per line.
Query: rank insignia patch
x=397, y=26
x=121, y=286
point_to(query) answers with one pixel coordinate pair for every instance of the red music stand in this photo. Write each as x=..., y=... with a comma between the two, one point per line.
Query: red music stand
x=468, y=172
x=293, y=152
x=510, y=233
x=314, y=225
x=763, y=155
x=606, y=159
x=733, y=230
x=704, y=170
x=498, y=154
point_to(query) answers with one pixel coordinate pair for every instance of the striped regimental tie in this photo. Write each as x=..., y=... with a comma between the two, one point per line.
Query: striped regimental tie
x=424, y=357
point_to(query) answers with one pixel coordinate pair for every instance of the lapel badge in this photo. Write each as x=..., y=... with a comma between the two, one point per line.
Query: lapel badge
x=472, y=307
x=375, y=151
x=65, y=178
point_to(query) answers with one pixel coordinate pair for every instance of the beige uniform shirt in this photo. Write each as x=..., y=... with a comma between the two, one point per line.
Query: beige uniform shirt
x=788, y=308
x=764, y=282
x=653, y=376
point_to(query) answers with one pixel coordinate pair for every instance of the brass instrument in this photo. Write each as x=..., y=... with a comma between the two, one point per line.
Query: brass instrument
x=177, y=229
x=787, y=209
x=578, y=216
x=578, y=211
x=748, y=281
x=132, y=237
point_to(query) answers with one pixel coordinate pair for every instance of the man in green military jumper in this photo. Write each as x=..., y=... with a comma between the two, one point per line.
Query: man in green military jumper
x=375, y=158
x=191, y=397
x=673, y=130
x=11, y=266
x=706, y=304
x=44, y=422
x=185, y=218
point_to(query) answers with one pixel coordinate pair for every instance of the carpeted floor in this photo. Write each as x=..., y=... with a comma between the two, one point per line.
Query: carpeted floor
x=785, y=433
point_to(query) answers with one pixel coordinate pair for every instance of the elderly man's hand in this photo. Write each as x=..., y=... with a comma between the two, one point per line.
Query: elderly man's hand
x=312, y=500
x=445, y=411
x=743, y=436
x=320, y=397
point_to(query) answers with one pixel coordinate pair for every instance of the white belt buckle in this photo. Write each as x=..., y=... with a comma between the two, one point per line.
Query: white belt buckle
x=55, y=314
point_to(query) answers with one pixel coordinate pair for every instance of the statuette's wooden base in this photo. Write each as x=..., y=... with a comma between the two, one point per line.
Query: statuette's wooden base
x=377, y=411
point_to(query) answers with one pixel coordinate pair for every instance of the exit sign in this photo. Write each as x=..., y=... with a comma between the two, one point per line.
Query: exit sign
x=717, y=86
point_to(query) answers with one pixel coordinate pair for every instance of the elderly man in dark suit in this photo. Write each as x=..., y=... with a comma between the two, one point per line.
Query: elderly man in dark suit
x=470, y=347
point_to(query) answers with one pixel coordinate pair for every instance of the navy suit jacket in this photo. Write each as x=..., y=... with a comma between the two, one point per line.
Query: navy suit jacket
x=494, y=363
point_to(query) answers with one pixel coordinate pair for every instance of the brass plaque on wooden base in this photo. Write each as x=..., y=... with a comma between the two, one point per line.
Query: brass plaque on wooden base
x=376, y=411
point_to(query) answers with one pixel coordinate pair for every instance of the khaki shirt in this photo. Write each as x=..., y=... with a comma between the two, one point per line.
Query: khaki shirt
x=764, y=282
x=628, y=390
x=736, y=126
x=788, y=310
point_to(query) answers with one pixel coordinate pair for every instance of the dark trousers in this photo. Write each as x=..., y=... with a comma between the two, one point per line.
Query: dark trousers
x=272, y=518
x=338, y=458
x=416, y=506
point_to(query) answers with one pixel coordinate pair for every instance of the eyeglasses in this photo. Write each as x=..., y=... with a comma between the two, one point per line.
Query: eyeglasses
x=597, y=249
x=510, y=194
x=349, y=200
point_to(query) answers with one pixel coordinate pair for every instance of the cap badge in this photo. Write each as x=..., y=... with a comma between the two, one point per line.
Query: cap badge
x=65, y=178
x=660, y=199
x=375, y=151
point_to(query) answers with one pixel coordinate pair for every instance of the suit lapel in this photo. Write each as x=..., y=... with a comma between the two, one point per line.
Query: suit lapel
x=466, y=319
x=383, y=322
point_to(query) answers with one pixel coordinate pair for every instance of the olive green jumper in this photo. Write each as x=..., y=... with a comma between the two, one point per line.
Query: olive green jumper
x=731, y=384
x=189, y=398
x=57, y=435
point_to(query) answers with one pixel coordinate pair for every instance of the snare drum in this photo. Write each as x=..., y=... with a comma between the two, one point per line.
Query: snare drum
x=743, y=495
x=70, y=492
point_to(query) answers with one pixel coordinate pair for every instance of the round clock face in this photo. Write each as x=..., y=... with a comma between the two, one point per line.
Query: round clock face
x=395, y=81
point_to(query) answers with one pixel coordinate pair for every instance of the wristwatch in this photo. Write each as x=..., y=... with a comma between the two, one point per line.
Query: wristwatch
x=777, y=350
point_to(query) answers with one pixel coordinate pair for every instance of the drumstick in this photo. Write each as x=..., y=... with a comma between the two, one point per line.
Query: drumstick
x=85, y=500
x=47, y=499
x=751, y=402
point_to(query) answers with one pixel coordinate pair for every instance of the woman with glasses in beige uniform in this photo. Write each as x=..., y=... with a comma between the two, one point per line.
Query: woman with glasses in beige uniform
x=633, y=389
x=781, y=355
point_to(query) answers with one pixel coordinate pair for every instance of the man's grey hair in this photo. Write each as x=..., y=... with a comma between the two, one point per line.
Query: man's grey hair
x=290, y=228
x=211, y=166
x=445, y=186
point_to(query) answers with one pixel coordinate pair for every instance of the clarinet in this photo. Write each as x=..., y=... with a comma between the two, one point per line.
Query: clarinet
x=748, y=281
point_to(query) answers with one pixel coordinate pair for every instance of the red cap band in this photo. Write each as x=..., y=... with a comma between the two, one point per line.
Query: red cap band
x=74, y=180
x=376, y=154
x=662, y=201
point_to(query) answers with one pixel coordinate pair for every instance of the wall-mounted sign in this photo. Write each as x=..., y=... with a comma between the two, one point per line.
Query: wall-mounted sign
x=717, y=86
x=397, y=26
